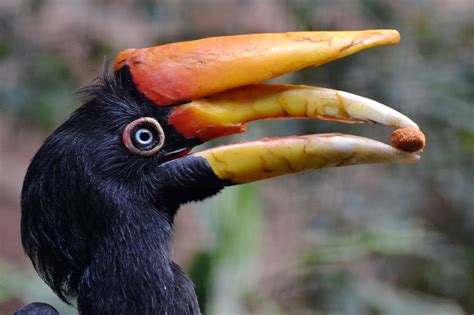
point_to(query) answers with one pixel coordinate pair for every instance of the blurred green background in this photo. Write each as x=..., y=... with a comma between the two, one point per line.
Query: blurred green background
x=386, y=239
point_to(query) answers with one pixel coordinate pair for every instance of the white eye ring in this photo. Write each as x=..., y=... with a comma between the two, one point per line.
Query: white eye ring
x=143, y=136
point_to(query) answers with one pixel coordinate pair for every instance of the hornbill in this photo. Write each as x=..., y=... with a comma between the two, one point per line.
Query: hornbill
x=100, y=195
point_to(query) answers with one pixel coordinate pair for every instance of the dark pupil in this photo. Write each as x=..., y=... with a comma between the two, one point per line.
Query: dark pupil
x=145, y=136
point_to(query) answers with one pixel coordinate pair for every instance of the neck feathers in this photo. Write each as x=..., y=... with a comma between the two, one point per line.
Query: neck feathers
x=132, y=273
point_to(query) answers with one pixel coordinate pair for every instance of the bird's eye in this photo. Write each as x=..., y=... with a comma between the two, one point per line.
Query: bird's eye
x=143, y=136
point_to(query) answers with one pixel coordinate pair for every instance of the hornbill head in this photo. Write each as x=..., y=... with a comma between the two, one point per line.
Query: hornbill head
x=100, y=195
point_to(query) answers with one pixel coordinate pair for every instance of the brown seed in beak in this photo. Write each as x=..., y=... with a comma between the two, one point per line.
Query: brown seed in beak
x=408, y=139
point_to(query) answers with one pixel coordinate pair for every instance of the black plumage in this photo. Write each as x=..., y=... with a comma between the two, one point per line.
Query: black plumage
x=97, y=220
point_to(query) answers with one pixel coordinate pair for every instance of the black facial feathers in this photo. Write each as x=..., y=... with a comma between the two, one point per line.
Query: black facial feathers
x=97, y=219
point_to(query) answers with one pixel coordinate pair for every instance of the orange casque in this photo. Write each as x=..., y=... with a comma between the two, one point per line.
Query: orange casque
x=178, y=72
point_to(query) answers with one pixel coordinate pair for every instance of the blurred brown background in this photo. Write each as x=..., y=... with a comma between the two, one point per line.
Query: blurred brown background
x=387, y=239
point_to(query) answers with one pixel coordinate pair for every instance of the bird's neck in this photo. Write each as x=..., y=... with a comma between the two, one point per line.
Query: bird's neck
x=132, y=273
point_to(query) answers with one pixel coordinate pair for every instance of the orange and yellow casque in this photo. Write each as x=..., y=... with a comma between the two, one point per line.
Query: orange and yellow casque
x=184, y=71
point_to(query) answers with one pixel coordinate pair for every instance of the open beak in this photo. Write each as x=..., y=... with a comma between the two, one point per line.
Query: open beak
x=213, y=86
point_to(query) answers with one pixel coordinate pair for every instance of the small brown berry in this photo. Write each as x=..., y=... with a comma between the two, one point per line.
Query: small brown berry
x=408, y=139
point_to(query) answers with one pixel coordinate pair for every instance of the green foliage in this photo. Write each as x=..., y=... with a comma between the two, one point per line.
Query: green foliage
x=43, y=94
x=200, y=273
x=28, y=287
x=233, y=220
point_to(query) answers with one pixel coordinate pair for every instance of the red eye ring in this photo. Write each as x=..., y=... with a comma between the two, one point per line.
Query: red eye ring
x=149, y=127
